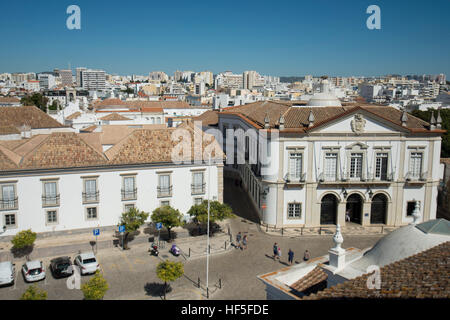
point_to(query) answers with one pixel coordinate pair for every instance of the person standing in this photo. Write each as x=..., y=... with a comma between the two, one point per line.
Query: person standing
x=238, y=240
x=306, y=256
x=290, y=256
x=279, y=254
x=275, y=250
x=244, y=242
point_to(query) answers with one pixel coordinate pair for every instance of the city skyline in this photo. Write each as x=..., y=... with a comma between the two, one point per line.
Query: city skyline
x=283, y=39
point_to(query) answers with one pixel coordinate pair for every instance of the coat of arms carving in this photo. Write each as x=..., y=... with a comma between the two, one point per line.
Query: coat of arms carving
x=358, y=124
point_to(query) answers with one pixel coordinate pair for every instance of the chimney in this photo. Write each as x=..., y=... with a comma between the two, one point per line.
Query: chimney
x=311, y=119
x=439, y=120
x=432, y=121
x=337, y=254
x=281, y=127
x=404, y=118
x=266, y=121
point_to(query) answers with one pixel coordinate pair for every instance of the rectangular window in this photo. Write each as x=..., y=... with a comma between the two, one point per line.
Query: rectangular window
x=295, y=166
x=165, y=203
x=356, y=165
x=8, y=199
x=415, y=165
x=198, y=185
x=330, y=166
x=51, y=196
x=129, y=191
x=381, y=166
x=128, y=206
x=91, y=213
x=90, y=190
x=164, y=187
x=52, y=216
x=294, y=210
x=198, y=201
x=410, y=208
x=10, y=220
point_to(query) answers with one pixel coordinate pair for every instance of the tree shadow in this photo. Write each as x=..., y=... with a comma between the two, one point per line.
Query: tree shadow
x=155, y=289
x=196, y=229
x=22, y=252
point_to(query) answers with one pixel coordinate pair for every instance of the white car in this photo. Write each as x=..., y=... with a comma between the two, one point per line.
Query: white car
x=33, y=271
x=7, y=273
x=87, y=262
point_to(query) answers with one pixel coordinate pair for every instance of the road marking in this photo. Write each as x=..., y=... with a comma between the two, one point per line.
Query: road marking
x=139, y=261
x=130, y=265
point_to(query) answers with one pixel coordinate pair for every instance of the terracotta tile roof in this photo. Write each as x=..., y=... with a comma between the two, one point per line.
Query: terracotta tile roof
x=89, y=129
x=9, y=130
x=27, y=115
x=74, y=115
x=208, y=118
x=159, y=104
x=9, y=100
x=62, y=150
x=296, y=118
x=114, y=117
x=147, y=146
x=109, y=102
x=424, y=275
x=314, y=277
x=6, y=159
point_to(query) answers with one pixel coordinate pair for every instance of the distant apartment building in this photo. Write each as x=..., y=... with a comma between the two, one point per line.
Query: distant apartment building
x=66, y=77
x=19, y=77
x=32, y=85
x=46, y=81
x=228, y=80
x=158, y=76
x=92, y=79
x=78, y=76
x=199, y=88
x=370, y=91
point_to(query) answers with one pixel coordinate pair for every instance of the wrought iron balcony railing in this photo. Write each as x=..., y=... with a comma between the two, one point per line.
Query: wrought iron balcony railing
x=90, y=197
x=50, y=200
x=129, y=194
x=164, y=191
x=9, y=204
x=198, y=188
x=292, y=178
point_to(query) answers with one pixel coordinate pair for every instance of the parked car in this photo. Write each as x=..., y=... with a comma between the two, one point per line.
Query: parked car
x=33, y=271
x=87, y=262
x=7, y=273
x=61, y=267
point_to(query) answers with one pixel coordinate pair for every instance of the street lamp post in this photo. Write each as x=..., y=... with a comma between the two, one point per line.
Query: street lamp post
x=207, y=233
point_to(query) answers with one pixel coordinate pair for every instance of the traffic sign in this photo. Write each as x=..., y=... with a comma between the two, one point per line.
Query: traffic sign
x=263, y=206
x=121, y=229
x=96, y=232
x=158, y=225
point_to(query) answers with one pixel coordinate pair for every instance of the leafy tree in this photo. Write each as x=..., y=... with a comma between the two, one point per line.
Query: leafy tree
x=218, y=212
x=168, y=216
x=54, y=105
x=36, y=99
x=34, y=293
x=95, y=288
x=133, y=219
x=445, y=115
x=169, y=271
x=23, y=239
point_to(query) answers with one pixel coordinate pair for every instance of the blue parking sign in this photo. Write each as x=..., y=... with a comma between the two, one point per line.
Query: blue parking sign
x=96, y=232
x=121, y=229
x=158, y=225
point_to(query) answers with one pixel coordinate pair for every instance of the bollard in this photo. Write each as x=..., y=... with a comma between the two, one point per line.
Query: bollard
x=220, y=283
x=198, y=282
x=209, y=249
x=302, y=231
x=189, y=252
x=320, y=230
x=382, y=229
x=225, y=245
x=207, y=293
x=282, y=231
x=267, y=227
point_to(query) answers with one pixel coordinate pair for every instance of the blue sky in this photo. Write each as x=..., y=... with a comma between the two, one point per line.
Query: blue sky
x=279, y=37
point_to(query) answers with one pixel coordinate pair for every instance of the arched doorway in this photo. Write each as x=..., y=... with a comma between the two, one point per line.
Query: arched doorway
x=378, y=210
x=328, y=209
x=354, y=208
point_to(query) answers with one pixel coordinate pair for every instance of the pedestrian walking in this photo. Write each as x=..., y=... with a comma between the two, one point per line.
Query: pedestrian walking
x=306, y=256
x=238, y=240
x=275, y=250
x=290, y=256
x=279, y=253
x=347, y=216
x=244, y=242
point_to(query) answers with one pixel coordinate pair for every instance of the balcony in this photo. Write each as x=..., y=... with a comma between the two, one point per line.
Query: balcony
x=198, y=189
x=129, y=194
x=50, y=201
x=292, y=179
x=412, y=178
x=90, y=197
x=346, y=180
x=164, y=191
x=9, y=204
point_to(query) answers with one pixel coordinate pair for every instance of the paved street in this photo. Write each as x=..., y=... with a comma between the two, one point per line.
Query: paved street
x=131, y=274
